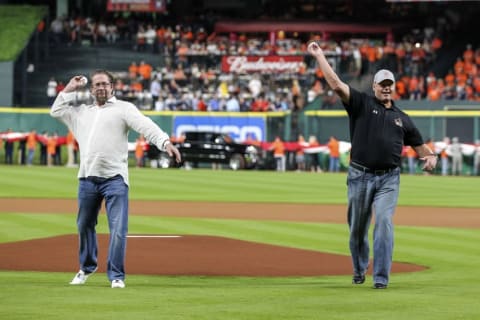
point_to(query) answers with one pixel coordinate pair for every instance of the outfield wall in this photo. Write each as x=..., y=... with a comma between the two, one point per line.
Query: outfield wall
x=434, y=124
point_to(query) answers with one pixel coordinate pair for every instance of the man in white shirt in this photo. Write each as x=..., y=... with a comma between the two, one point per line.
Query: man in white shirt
x=232, y=104
x=51, y=90
x=155, y=91
x=101, y=130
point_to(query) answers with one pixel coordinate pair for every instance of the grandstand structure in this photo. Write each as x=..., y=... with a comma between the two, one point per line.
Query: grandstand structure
x=286, y=24
x=302, y=20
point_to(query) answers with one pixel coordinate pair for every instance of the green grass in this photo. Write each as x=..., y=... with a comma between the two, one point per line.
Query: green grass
x=17, y=23
x=447, y=290
x=239, y=186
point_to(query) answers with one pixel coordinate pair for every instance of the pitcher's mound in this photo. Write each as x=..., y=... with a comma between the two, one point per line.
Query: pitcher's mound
x=183, y=255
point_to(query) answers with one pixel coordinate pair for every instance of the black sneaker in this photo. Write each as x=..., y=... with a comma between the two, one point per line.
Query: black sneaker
x=358, y=279
x=379, y=286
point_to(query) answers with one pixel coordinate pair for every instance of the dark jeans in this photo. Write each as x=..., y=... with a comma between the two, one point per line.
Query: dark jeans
x=367, y=191
x=91, y=192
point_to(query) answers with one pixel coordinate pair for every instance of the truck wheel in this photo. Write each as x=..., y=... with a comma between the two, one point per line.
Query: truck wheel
x=237, y=162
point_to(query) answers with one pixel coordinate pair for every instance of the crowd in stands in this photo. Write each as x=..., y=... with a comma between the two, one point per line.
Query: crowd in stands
x=191, y=77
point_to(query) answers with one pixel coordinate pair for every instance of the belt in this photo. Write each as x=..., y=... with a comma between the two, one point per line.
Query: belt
x=96, y=179
x=377, y=172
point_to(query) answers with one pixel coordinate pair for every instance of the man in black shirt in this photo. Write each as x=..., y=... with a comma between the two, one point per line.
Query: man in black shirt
x=378, y=132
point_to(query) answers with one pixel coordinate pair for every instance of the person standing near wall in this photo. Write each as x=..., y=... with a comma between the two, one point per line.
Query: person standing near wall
x=8, y=144
x=300, y=153
x=101, y=130
x=313, y=162
x=31, y=146
x=140, y=145
x=476, y=158
x=51, y=149
x=444, y=156
x=278, y=148
x=378, y=131
x=334, y=158
x=70, y=140
x=457, y=157
x=412, y=160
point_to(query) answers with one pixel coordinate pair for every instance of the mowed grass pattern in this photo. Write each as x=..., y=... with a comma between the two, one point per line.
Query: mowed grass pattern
x=447, y=290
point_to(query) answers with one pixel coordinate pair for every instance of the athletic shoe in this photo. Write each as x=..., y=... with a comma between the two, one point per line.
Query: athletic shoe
x=117, y=283
x=358, y=279
x=379, y=285
x=81, y=277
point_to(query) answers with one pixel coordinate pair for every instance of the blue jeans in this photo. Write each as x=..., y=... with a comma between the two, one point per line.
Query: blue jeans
x=334, y=164
x=367, y=191
x=412, y=165
x=31, y=153
x=91, y=192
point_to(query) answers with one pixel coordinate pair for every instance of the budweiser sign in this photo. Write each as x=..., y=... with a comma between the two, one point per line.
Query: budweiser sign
x=137, y=5
x=249, y=64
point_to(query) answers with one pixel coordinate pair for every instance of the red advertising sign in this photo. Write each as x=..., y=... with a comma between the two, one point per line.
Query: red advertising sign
x=262, y=64
x=137, y=5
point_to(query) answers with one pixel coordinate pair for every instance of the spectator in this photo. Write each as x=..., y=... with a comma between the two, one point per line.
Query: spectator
x=31, y=146
x=57, y=159
x=232, y=104
x=140, y=148
x=145, y=72
x=411, y=159
x=278, y=148
x=112, y=33
x=444, y=156
x=155, y=90
x=150, y=37
x=334, y=148
x=57, y=30
x=70, y=140
x=476, y=158
x=8, y=145
x=133, y=70
x=22, y=152
x=60, y=87
x=51, y=90
x=160, y=104
x=457, y=156
x=315, y=91
x=330, y=100
x=140, y=39
x=255, y=85
x=43, y=148
x=51, y=149
x=300, y=153
x=313, y=162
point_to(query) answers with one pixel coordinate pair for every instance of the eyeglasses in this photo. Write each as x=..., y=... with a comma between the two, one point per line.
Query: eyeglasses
x=101, y=84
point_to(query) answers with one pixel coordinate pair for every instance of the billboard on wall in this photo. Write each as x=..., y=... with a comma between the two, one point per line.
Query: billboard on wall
x=238, y=127
x=137, y=5
x=261, y=64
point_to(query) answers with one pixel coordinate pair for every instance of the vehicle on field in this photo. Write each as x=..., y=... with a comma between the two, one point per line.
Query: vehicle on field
x=213, y=147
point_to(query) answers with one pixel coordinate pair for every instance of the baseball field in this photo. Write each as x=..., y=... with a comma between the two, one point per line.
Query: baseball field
x=237, y=245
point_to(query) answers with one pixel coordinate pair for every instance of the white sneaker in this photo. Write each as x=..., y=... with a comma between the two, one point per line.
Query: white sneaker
x=117, y=283
x=81, y=277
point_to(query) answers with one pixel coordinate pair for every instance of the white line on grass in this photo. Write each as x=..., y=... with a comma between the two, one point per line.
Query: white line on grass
x=140, y=236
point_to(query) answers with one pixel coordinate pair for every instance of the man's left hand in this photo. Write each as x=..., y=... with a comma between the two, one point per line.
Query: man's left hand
x=430, y=162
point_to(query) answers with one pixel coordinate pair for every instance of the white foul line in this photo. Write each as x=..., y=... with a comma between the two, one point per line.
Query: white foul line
x=154, y=236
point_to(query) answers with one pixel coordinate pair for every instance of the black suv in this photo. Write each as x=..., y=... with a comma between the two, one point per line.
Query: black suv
x=214, y=147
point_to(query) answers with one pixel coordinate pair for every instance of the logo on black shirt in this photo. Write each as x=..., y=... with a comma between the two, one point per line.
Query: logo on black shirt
x=398, y=122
